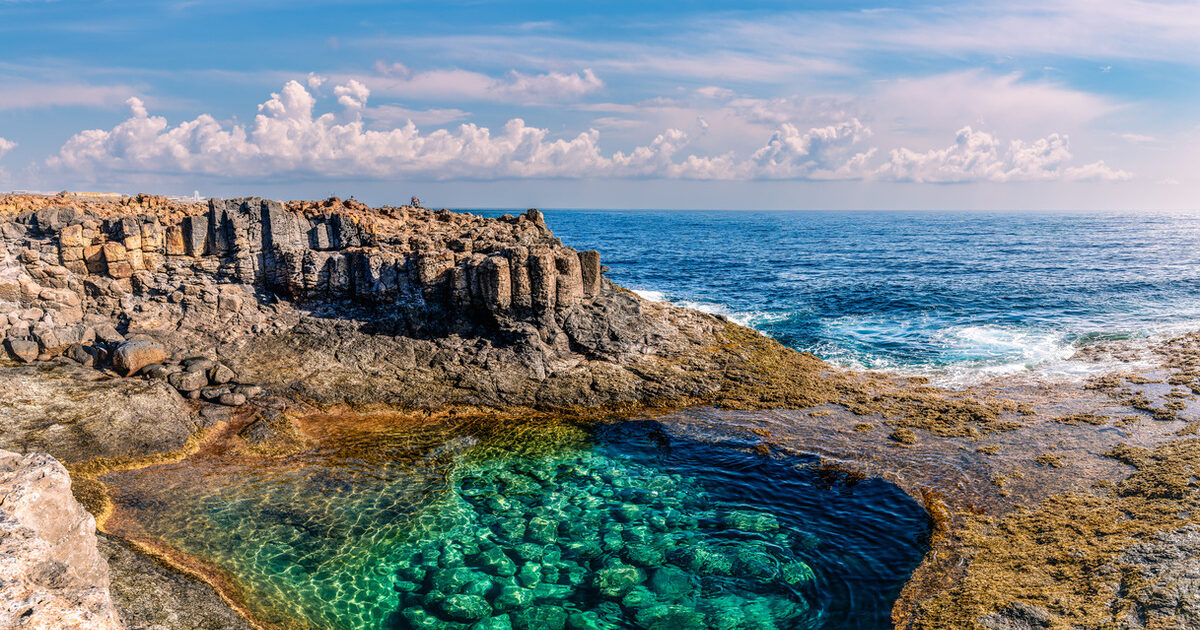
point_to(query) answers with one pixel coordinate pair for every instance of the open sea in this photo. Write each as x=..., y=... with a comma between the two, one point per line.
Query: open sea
x=958, y=296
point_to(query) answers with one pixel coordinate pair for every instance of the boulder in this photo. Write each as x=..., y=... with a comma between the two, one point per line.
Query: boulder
x=132, y=356
x=231, y=399
x=51, y=574
x=219, y=374
x=79, y=354
x=188, y=380
x=22, y=350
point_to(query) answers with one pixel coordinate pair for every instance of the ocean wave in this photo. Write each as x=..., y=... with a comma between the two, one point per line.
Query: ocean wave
x=954, y=356
x=749, y=319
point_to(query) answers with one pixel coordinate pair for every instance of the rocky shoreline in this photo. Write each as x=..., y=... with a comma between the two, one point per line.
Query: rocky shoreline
x=139, y=330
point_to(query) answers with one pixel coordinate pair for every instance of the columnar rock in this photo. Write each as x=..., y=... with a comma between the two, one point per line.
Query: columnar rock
x=498, y=307
x=51, y=575
x=569, y=281
x=543, y=277
x=589, y=263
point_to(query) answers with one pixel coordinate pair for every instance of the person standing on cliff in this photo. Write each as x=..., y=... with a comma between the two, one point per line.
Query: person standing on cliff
x=416, y=202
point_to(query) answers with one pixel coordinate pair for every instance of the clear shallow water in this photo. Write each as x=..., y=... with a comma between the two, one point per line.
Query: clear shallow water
x=538, y=526
x=959, y=293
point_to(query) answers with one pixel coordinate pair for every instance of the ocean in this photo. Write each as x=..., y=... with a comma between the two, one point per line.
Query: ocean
x=957, y=296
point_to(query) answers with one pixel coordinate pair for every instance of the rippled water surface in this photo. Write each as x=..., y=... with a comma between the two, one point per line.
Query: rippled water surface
x=535, y=526
x=957, y=292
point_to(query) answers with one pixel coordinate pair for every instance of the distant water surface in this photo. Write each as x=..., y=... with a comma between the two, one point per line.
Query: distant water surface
x=959, y=295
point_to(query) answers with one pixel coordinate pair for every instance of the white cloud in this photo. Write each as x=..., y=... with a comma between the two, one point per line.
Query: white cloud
x=393, y=115
x=288, y=137
x=353, y=95
x=714, y=92
x=979, y=156
x=398, y=80
x=1007, y=102
x=1137, y=138
x=819, y=153
x=6, y=146
x=21, y=94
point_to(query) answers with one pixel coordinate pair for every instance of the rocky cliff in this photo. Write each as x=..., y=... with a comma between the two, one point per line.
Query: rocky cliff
x=51, y=575
x=336, y=301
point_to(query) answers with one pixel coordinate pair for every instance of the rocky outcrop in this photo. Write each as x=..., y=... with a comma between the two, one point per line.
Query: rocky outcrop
x=77, y=414
x=149, y=595
x=338, y=301
x=51, y=575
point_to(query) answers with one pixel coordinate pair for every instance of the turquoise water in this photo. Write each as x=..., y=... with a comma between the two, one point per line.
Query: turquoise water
x=965, y=294
x=541, y=526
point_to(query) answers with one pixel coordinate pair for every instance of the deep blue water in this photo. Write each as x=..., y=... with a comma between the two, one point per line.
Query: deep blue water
x=945, y=292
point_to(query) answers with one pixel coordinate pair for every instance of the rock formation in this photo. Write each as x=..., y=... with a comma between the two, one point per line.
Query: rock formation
x=51, y=575
x=337, y=301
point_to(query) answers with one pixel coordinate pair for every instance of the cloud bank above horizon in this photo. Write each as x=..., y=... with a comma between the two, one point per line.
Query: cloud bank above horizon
x=289, y=138
x=1058, y=104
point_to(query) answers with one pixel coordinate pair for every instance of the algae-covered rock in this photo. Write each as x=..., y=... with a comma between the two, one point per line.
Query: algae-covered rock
x=670, y=582
x=540, y=618
x=530, y=574
x=541, y=530
x=466, y=607
x=615, y=579
x=670, y=617
x=514, y=597
x=499, y=622
x=747, y=521
x=495, y=561
x=796, y=573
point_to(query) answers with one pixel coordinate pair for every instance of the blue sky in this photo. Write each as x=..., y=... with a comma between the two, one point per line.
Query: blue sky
x=1021, y=105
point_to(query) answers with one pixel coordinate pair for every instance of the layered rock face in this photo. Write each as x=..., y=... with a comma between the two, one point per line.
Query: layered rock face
x=51, y=574
x=414, y=289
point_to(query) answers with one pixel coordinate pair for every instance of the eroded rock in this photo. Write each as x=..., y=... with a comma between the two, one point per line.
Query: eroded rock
x=51, y=575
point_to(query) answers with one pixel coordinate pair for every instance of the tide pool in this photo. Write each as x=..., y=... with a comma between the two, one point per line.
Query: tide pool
x=533, y=525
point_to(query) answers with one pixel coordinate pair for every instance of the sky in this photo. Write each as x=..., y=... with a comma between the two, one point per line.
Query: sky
x=1054, y=104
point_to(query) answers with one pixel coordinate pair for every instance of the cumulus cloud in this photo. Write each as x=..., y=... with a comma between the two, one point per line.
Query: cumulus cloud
x=289, y=137
x=819, y=153
x=979, y=156
x=398, y=80
x=6, y=145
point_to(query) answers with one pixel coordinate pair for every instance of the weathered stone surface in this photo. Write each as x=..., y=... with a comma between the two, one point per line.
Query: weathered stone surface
x=1171, y=562
x=543, y=276
x=22, y=350
x=132, y=356
x=188, y=380
x=151, y=596
x=339, y=301
x=195, y=235
x=62, y=409
x=51, y=575
x=589, y=264
x=219, y=374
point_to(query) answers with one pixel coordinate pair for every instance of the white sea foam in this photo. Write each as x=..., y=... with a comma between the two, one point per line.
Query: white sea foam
x=648, y=294
x=994, y=352
x=749, y=319
x=966, y=355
